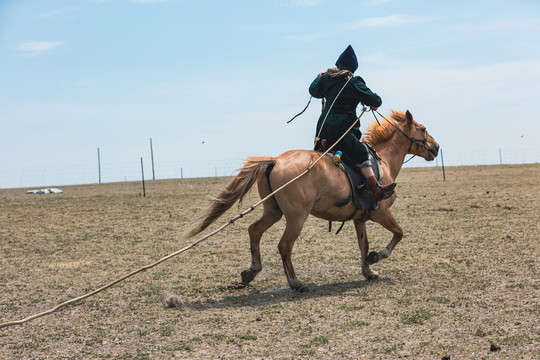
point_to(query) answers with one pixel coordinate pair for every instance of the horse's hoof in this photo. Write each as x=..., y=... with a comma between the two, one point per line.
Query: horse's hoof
x=303, y=288
x=372, y=258
x=373, y=276
x=247, y=276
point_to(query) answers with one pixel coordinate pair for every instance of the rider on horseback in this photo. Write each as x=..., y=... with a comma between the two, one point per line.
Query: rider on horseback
x=328, y=85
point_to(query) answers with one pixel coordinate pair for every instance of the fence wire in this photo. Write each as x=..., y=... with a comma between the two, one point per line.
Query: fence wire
x=58, y=175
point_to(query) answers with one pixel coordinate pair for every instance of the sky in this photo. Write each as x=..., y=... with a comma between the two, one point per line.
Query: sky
x=214, y=82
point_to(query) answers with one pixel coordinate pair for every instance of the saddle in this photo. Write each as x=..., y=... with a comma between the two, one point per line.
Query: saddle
x=363, y=197
x=361, y=194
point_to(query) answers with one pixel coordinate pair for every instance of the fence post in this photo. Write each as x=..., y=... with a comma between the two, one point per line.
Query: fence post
x=152, y=156
x=442, y=162
x=142, y=172
x=99, y=166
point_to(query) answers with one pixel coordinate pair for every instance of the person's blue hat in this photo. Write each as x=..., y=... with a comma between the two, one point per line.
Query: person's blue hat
x=347, y=60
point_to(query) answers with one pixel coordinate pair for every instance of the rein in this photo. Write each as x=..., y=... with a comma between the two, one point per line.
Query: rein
x=412, y=157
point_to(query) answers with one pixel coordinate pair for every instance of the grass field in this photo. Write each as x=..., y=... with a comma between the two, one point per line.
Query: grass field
x=465, y=277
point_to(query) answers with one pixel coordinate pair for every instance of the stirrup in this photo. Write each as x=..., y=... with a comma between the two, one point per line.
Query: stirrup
x=386, y=191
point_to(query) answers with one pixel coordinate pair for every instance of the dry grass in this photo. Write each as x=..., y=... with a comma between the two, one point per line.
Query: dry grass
x=465, y=276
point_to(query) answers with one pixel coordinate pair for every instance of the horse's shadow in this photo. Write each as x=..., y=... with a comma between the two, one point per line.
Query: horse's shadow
x=257, y=298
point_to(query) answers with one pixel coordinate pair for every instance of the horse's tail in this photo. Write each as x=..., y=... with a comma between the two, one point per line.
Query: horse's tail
x=253, y=168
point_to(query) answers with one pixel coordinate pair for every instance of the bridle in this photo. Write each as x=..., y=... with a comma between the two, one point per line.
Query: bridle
x=421, y=143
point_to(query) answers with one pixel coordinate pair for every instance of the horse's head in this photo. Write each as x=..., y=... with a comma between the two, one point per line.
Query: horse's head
x=422, y=143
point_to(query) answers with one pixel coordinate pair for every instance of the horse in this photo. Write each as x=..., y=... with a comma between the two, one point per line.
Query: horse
x=323, y=192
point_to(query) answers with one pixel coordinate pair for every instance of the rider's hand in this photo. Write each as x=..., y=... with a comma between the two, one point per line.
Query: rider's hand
x=320, y=75
x=373, y=108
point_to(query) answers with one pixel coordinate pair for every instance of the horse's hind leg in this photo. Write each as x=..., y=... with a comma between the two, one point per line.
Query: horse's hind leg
x=271, y=215
x=285, y=246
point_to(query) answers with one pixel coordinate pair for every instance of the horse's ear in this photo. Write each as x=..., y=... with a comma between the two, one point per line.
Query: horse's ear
x=408, y=115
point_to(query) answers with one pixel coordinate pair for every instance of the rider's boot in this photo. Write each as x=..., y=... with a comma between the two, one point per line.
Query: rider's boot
x=381, y=191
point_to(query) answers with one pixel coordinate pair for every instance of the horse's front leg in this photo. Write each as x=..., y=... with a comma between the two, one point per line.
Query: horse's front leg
x=387, y=220
x=360, y=226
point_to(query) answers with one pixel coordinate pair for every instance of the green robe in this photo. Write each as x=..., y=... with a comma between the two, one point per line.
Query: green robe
x=343, y=114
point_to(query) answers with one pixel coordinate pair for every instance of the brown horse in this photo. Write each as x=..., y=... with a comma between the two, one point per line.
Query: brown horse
x=323, y=192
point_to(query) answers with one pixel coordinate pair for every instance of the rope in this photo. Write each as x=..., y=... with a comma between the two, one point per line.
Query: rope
x=230, y=222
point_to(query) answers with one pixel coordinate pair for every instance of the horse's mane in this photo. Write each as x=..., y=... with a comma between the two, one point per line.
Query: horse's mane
x=377, y=134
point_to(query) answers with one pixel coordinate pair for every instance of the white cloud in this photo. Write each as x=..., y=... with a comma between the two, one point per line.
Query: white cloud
x=48, y=14
x=308, y=37
x=66, y=12
x=299, y=3
x=35, y=48
x=377, y=2
x=515, y=24
x=488, y=85
x=87, y=82
x=306, y=3
x=148, y=1
x=474, y=107
x=385, y=21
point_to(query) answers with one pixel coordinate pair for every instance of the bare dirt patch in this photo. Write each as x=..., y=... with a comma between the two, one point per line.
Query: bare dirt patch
x=463, y=284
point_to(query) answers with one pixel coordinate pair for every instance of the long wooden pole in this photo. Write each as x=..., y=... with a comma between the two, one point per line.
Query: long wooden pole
x=239, y=216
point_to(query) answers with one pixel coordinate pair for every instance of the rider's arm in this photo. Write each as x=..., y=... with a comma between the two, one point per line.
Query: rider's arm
x=316, y=89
